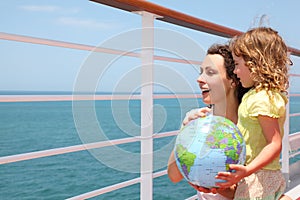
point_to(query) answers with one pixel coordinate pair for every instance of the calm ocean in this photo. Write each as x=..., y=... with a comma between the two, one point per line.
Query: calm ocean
x=35, y=126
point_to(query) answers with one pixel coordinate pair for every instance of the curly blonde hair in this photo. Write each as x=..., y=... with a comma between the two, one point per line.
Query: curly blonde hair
x=265, y=53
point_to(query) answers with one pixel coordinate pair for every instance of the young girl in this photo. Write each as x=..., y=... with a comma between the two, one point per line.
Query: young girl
x=261, y=61
x=220, y=88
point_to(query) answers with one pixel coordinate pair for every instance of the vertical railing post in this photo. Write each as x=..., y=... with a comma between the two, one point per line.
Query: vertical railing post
x=146, y=189
x=285, y=146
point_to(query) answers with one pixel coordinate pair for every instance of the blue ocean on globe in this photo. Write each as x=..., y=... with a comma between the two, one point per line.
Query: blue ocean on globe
x=207, y=146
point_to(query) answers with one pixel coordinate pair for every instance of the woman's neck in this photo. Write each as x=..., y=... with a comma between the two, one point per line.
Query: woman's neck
x=227, y=108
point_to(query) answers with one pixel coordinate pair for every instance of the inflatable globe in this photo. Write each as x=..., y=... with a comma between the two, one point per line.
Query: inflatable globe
x=207, y=146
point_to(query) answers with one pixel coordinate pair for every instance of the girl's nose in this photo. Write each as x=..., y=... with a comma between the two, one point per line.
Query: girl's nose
x=235, y=70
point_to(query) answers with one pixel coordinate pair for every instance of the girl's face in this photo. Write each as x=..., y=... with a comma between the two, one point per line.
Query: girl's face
x=242, y=72
x=212, y=80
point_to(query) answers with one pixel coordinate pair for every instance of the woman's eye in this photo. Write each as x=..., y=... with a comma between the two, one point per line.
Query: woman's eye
x=201, y=71
x=210, y=72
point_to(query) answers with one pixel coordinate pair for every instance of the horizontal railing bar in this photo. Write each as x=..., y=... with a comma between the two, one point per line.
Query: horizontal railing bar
x=76, y=148
x=56, y=43
x=106, y=189
x=296, y=134
x=294, y=51
x=294, y=114
x=298, y=75
x=294, y=154
x=115, y=187
x=294, y=141
x=171, y=16
x=160, y=173
x=31, y=98
x=165, y=134
x=177, y=18
x=64, y=150
x=195, y=197
x=294, y=95
x=133, y=96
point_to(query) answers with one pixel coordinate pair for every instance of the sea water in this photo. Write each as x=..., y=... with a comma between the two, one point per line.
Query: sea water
x=35, y=126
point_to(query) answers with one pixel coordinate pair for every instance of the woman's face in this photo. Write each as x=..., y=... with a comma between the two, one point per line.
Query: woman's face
x=212, y=80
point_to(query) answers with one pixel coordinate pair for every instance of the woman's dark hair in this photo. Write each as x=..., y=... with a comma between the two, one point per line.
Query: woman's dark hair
x=224, y=51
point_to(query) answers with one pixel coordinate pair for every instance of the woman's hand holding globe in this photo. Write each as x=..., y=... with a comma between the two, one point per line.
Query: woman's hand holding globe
x=194, y=114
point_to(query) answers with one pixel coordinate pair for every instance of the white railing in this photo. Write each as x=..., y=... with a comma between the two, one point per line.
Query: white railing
x=76, y=148
x=295, y=143
x=146, y=179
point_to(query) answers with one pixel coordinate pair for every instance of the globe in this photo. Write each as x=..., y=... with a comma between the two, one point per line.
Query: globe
x=207, y=146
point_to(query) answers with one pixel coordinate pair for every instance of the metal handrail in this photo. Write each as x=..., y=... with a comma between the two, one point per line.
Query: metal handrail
x=177, y=18
x=76, y=148
x=83, y=47
x=114, y=187
x=91, y=97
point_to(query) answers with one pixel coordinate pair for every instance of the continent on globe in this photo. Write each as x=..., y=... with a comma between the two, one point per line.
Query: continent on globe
x=207, y=146
x=187, y=159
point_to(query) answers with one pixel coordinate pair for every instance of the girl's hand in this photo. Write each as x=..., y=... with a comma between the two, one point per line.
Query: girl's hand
x=231, y=178
x=226, y=192
x=194, y=114
x=203, y=189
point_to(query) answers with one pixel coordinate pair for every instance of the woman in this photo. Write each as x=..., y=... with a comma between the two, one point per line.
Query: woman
x=220, y=87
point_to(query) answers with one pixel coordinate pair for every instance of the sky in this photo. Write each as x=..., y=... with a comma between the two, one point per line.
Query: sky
x=32, y=67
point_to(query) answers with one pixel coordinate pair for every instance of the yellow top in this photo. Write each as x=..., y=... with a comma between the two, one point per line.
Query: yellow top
x=265, y=103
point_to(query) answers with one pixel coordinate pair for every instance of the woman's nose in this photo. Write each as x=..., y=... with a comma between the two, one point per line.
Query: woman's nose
x=201, y=79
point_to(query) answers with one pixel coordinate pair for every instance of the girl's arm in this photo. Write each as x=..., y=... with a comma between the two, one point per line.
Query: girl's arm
x=271, y=131
x=226, y=192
